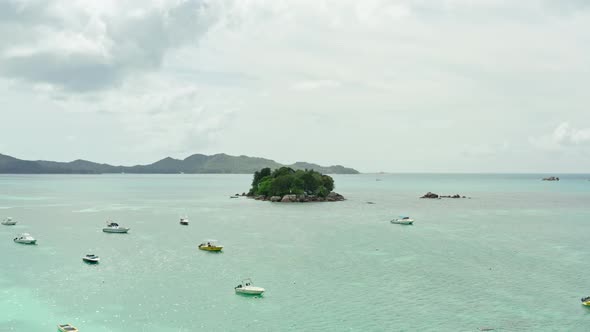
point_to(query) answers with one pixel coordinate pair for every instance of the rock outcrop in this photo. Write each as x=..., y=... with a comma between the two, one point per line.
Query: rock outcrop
x=332, y=197
x=289, y=199
x=429, y=195
x=436, y=196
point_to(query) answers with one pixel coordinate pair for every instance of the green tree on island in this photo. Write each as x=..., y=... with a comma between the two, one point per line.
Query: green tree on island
x=285, y=180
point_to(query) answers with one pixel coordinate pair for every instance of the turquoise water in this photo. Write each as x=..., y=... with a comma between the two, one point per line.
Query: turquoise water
x=514, y=257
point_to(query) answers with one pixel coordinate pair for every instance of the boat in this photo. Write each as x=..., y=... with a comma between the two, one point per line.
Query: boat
x=25, y=238
x=235, y=196
x=113, y=227
x=90, y=258
x=8, y=221
x=210, y=245
x=66, y=328
x=403, y=221
x=586, y=301
x=184, y=221
x=246, y=287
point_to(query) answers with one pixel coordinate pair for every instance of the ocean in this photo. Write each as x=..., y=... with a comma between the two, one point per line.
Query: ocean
x=513, y=256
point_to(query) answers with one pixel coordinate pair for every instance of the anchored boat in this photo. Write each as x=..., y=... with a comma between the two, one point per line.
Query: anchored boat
x=66, y=328
x=113, y=227
x=246, y=287
x=25, y=238
x=586, y=301
x=210, y=245
x=91, y=258
x=8, y=221
x=403, y=221
x=184, y=221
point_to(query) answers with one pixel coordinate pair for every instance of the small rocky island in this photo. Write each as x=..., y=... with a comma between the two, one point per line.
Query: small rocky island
x=436, y=196
x=551, y=178
x=288, y=185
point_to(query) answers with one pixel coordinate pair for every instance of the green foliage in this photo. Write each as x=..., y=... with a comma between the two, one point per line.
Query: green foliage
x=285, y=180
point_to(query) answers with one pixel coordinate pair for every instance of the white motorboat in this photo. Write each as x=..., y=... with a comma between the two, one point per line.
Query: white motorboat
x=246, y=287
x=8, y=221
x=25, y=238
x=66, y=328
x=184, y=221
x=113, y=227
x=90, y=258
x=403, y=221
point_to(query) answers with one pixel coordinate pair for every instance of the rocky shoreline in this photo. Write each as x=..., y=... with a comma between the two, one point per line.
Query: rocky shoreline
x=436, y=196
x=332, y=197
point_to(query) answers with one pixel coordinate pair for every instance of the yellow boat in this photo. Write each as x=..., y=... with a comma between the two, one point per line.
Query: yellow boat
x=210, y=245
x=586, y=301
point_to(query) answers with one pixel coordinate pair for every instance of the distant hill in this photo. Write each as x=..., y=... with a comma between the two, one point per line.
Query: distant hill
x=197, y=163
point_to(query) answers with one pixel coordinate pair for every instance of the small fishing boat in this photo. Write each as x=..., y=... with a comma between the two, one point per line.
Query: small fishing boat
x=8, y=221
x=403, y=221
x=586, y=301
x=66, y=328
x=113, y=227
x=90, y=258
x=210, y=245
x=235, y=196
x=25, y=238
x=246, y=287
x=184, y=221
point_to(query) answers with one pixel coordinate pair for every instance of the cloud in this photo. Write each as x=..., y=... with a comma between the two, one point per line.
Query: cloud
x=80, y=47
x=563, y=136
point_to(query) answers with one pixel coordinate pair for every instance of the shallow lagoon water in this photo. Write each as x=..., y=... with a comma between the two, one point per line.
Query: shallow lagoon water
x=513, y=257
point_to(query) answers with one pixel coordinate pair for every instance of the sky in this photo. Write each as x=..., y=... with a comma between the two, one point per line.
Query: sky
x=398, y=86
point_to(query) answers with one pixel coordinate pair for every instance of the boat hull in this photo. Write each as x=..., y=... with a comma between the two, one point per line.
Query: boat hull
x=8, y=223
x=26, y=241
x=586, y=303
x=207, y=248
x=91, y=261
x=115, y=230
x=184, y=223
x=250, y=290
x=402, y=222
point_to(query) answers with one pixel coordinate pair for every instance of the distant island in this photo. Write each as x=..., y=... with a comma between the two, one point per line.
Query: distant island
x=195, y=164
x=288, y=185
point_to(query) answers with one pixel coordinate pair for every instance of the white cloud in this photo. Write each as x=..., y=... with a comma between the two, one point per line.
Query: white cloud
x=564, y=136
x=567, y=135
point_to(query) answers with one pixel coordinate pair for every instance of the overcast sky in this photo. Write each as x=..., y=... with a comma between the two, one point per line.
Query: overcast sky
x=409, y=85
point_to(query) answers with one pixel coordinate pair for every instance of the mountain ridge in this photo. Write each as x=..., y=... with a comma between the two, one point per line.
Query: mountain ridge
x=220, y=163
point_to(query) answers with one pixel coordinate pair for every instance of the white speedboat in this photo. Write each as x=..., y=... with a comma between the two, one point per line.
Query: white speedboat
x=66, y=328
x=246, y=287
x=403, y=221
x=113, y=227
x=90, y=258
x=25, y=238
x=184, y=221
x=8, y=222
